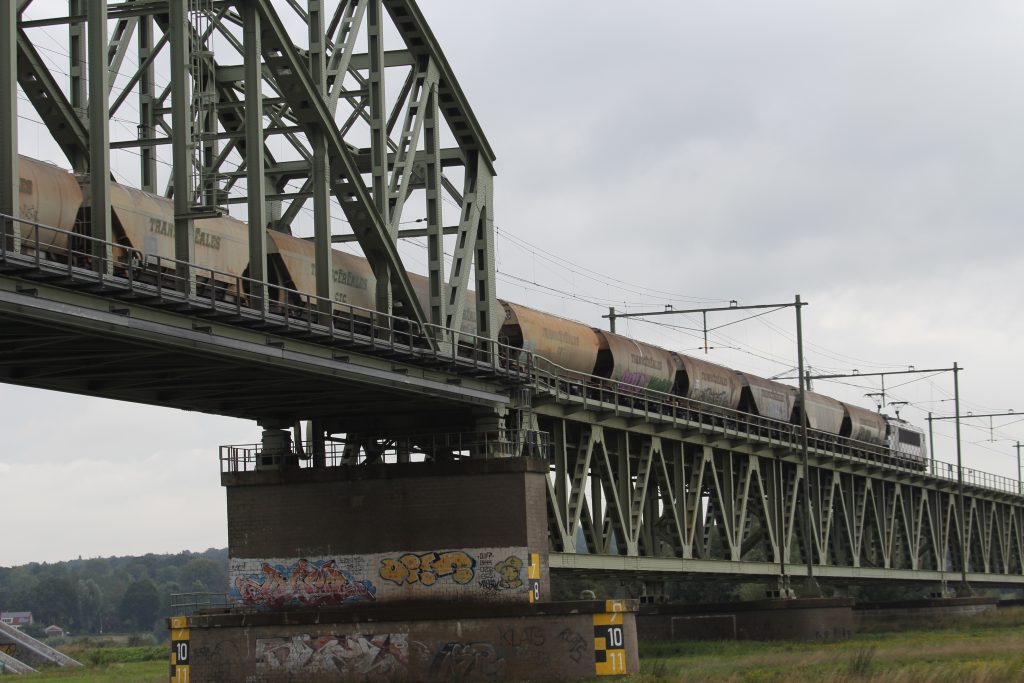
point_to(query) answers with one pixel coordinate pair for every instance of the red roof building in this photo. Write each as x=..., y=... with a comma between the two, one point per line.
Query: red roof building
x=16, y=619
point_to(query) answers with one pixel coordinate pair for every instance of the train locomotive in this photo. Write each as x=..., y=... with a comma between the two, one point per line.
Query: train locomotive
x=143, y=227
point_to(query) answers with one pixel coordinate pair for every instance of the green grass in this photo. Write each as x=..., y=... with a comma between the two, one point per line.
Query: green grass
x=109, y=660
x=130, y=672
x=983, y=649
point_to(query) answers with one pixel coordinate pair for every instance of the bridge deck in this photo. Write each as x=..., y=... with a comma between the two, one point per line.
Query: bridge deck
x=74, y=330
x=640, y=482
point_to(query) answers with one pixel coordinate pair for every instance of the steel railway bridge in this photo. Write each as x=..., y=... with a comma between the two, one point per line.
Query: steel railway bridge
x=643, y=484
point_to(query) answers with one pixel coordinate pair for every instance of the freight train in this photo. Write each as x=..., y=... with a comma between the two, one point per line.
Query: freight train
x=569, y=347
x=143, y=227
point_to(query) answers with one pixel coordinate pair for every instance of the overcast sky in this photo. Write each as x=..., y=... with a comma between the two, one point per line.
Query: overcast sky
x=864, y=155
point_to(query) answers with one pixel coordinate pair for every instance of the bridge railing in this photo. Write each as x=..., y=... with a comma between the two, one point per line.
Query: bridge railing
x=77, y=260
x=71, y=258
x=598, y=394
x=441, y=447
x=184, y=604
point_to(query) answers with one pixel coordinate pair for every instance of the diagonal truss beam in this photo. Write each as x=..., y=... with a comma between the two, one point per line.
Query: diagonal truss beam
x=421, y=41
x=295, y=83
x=50, y=102
x=668, y=499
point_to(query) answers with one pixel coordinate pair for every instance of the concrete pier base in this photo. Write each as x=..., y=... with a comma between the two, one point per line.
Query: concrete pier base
x=894, y=614
x=482, y=642
x=816, y=619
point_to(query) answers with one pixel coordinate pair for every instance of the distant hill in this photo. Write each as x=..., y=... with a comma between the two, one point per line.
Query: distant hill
x=110, y=594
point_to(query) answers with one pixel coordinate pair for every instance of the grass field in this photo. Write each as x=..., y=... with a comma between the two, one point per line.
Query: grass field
x=107, y=661
x=118, y=672
x=985, y=649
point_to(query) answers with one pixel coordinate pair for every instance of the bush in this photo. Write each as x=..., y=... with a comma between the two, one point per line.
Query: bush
x=121, y=655
x=141, y=640
x=861, y=662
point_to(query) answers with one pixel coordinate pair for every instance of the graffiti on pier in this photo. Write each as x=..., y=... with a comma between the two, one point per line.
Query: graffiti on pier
x=380, y=657
x=508, y=570
x=496, y=574
x=459, y=661
x=576, y=643
x=427, y=568
x=304, y=583
x=501, y=575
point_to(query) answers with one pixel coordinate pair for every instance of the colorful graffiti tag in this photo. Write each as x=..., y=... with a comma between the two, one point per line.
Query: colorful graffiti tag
x=499, y=574
x=304, y=583
x=427, y=568
x=380, y=657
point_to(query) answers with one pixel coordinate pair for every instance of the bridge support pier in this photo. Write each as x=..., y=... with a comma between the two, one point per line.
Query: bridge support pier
x=419, y=571
x=472, y=530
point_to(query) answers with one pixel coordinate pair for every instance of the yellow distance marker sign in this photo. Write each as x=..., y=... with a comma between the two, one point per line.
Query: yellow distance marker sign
x=533, y=577
x=610, y=640
x=180, y=667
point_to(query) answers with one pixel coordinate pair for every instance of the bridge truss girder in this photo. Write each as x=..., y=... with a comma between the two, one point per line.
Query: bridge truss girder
x=358, y=92
x=631, y=496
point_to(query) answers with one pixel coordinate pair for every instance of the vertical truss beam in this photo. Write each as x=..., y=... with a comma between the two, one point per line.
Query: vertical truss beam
x=379, y=143
x=99, y=136
x=256, y=178
x=147, y=105
x=181, y=127
x=319, y=180
x=435, y=236
x=77, y=70
x=9, y=177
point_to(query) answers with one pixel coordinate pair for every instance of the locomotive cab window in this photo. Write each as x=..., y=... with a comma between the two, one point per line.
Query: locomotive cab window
x=910, y=438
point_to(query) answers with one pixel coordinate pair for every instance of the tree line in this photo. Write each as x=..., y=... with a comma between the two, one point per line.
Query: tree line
x=110, y=594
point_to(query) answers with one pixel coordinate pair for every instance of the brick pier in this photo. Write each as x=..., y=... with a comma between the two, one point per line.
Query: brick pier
x=420, y=571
